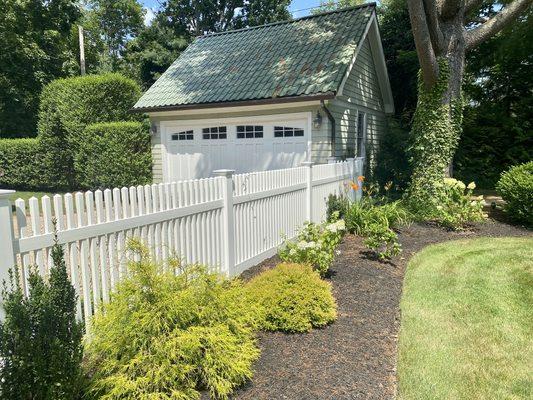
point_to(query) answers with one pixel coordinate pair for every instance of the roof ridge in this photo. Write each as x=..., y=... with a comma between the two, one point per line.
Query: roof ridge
x=289, y=21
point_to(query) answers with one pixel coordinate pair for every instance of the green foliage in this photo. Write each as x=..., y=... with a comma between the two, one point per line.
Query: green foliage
x=434, y=137
x=374, y=219
x=497, y=128
x=392, y=164
x=109, y=25
x=402, y=60
x=336, y=206
x=20, y=164
x=35, y=49
x=68, y=106
x=516, y=188
x=150, y=54
x=292, y=298
x=40, y=339
x=114, y=154
x=314, y=245
x=167, y=333
x=332, y=5
x=456, y=205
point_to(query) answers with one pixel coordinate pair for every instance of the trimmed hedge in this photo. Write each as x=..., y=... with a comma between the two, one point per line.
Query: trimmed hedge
x=516, y=188
x=114, y=154
x=68, y=106
x=20, y=164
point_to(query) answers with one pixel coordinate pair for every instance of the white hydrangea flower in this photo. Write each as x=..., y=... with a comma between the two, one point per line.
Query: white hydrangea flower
x=302, y=245
x=310, y=245
x=332, y=228
x=341, y=225
x=461, y=185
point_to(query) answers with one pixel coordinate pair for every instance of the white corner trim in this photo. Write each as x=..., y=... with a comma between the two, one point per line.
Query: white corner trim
x=356, y=53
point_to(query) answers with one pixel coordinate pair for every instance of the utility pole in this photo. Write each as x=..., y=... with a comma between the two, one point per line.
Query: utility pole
x=82, y=50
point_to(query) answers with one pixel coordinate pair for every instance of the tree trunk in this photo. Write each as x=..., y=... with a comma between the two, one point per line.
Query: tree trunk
x=437, y=122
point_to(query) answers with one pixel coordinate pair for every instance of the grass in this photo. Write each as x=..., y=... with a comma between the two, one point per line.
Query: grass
x=467, y=327
x=27, y=195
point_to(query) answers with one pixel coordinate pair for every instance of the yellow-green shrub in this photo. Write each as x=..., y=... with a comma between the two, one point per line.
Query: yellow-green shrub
x=292, y=298
x=165, y=335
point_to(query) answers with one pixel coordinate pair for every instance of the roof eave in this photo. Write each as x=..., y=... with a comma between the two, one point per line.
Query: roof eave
x=256, y=102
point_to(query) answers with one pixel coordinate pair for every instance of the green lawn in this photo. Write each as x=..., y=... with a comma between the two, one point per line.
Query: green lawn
x=27, y=195
x=467, y=321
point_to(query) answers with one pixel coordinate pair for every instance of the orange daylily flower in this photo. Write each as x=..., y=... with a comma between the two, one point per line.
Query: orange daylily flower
x=354, y=186
x=361, y=178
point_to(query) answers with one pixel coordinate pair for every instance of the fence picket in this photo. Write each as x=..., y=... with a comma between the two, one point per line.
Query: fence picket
x=230, y=221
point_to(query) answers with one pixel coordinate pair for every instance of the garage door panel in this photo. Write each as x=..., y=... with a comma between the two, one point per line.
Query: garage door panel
x=200, y=157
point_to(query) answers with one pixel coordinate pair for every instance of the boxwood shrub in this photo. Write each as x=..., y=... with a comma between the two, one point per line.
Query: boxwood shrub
x=516, y=188
x=292, y=298
x=114, y=154
x=20, y=164
x=167, y=336
x=68, y=106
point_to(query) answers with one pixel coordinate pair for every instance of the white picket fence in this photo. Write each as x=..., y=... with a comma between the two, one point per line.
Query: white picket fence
x=228, y=222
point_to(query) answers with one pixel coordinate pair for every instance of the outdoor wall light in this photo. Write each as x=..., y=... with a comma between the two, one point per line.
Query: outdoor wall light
x=317, y=122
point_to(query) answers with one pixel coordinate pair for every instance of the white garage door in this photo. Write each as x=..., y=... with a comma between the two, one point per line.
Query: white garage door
x=195, y=148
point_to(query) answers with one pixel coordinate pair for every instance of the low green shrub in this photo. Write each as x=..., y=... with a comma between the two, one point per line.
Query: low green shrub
x=114, y=154
x=40, y=339
x=167, y=333
x=292, y=298
x=314, y=245
x=68, y=106
x=20, y=164
x=516, y=188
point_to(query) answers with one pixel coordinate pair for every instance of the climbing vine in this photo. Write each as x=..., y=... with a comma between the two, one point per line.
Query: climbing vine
x=434, y=137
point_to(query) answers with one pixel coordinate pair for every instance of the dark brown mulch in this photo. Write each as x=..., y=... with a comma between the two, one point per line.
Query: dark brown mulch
x=354, y=358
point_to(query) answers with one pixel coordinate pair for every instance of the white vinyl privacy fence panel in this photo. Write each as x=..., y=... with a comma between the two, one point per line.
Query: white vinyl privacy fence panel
x=228, y=222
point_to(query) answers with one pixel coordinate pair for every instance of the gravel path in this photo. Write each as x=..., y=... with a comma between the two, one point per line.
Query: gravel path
x=354, y=358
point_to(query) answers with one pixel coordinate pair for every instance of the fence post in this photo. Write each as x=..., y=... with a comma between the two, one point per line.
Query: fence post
x=309, y=191
x=228, y=222
x=7, y=252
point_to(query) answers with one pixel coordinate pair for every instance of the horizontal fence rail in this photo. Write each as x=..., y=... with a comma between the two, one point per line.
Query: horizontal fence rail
x=228, y=222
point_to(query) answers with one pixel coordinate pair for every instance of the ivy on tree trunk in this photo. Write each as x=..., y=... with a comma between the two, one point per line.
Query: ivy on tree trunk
x=443, y=32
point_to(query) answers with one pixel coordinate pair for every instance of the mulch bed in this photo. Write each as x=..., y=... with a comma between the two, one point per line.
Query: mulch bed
x=355, y=357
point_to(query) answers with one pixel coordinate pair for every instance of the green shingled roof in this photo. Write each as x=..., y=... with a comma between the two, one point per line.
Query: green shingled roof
x=306, y=56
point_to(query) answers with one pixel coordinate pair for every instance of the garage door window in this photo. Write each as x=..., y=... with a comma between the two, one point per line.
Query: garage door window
x=217, y=132
x=249, y=131
x=185, y=135
x=285, y=131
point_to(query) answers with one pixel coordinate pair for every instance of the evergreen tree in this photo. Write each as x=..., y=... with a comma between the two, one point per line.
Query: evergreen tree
x=40, y=338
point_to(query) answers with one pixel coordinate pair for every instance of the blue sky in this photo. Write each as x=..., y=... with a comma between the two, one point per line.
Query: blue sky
x=298, y=8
